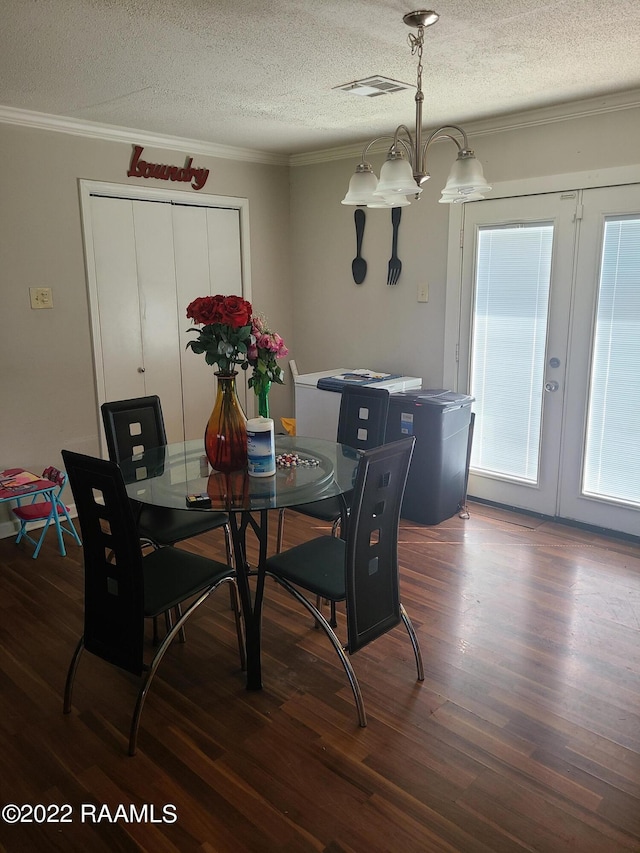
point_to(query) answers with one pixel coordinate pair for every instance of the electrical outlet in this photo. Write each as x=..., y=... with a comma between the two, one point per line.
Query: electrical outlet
x=423, y=292
x=41, y=297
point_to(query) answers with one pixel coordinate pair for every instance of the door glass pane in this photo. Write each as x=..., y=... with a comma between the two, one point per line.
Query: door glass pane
x=513, y=279
x=612, y=460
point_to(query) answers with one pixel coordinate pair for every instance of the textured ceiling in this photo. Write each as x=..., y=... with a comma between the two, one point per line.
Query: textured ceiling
x=261, y=75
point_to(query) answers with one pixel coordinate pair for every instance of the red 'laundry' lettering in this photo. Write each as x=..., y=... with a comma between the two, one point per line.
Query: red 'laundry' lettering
x=141, y=169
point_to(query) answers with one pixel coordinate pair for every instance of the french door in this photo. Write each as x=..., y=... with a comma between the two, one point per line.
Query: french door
x=550, y=348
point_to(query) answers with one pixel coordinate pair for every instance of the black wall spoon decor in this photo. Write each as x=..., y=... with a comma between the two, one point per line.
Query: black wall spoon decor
x=359, y=265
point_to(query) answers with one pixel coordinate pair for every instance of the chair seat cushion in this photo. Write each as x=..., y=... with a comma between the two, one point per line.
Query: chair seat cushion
x=317, y=566
x=172, y=574
x=36, y=511
x=327, y=510
x=167, y=526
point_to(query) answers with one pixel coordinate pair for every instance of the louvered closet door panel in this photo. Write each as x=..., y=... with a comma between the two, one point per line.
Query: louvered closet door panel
x=116, y=274
x=158, y=311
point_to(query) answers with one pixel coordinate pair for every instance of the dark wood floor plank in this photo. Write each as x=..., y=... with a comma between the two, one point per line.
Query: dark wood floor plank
x=524, y=736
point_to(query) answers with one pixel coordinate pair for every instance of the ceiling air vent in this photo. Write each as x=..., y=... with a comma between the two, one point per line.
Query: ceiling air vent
x=371, y=87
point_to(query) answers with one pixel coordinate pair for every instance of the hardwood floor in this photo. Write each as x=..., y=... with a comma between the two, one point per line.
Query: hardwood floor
x=524, y=736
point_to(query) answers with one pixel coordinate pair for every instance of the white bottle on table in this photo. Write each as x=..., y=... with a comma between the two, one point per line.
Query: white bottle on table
x=261, y=453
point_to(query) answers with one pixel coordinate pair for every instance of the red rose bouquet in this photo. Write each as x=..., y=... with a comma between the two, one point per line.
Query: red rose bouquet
x=226, y=331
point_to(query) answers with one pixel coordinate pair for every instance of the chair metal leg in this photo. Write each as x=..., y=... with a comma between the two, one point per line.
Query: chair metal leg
x=332, y=620
x=181, y=634
x=237, y=610
x=151, y=671
x=230, y=560
x=22, y=531
x=71, y=674
x=337, y=529
x=58, y=526
x=40, y=541
x=153, y=666
x=326, y=627
x=227, y=545
x=280, y=534
x=71, y=530
x=414, y=642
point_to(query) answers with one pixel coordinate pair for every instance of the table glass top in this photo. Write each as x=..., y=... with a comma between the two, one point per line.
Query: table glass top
x=164, y=476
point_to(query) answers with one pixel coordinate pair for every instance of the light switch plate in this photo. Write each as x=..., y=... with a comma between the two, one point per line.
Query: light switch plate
x=41, y=297
x=423, y=292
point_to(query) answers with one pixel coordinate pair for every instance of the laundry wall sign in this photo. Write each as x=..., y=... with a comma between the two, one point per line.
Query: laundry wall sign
x=139, y=168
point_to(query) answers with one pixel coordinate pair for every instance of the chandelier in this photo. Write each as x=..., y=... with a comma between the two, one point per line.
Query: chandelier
x=404, y=171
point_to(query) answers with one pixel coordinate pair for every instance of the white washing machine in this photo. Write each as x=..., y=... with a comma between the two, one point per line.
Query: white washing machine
x=317, y=409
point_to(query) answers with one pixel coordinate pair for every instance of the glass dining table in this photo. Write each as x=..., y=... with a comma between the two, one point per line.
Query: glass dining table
x=307, y=470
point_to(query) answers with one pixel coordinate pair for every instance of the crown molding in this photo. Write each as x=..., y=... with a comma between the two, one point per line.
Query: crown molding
x=600, y=105
x=94, y=130
x=616, y=102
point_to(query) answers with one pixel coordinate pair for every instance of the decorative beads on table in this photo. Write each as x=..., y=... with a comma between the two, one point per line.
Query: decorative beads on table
x=292, y=460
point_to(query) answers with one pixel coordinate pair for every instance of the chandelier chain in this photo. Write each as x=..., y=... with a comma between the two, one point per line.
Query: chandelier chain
x=416, y=43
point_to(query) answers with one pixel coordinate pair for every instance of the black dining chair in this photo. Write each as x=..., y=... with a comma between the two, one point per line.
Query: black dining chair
x=131, y=427
x=362, y=424
x=123, y=587
x=361, y=570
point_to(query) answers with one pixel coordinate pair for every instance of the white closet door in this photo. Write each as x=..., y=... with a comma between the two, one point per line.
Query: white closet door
x=225, y=267
x=158, y=311
x=147, y=259
x=207, y=261
x=119, y=347
x=223, y=230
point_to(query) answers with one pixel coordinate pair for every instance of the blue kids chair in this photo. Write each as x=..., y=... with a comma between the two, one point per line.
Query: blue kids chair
x=49, y=510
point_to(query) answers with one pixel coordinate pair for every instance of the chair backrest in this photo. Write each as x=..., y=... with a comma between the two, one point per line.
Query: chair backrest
x=56, y=476
x=373, y=595
x=133, y=426
x=362, y=422
x=113, y=575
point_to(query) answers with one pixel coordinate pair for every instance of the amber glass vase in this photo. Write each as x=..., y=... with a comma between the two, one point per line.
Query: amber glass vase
x=225, y=438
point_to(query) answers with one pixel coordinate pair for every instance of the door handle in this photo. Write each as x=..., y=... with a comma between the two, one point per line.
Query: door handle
x=141, y=370
x=551, y=386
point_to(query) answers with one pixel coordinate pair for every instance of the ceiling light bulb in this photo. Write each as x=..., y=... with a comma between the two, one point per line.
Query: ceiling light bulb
x=362, y=186
x=466, y=176
x=396, y=176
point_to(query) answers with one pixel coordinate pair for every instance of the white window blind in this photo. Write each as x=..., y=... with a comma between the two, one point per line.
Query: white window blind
x=513, y=277
x=612, y=453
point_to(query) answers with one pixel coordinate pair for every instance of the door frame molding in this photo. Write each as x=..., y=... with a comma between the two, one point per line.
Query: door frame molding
x=610, y=177
x=86, y=189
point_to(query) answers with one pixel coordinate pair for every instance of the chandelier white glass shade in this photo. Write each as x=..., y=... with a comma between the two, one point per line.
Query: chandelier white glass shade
x=404, y=170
